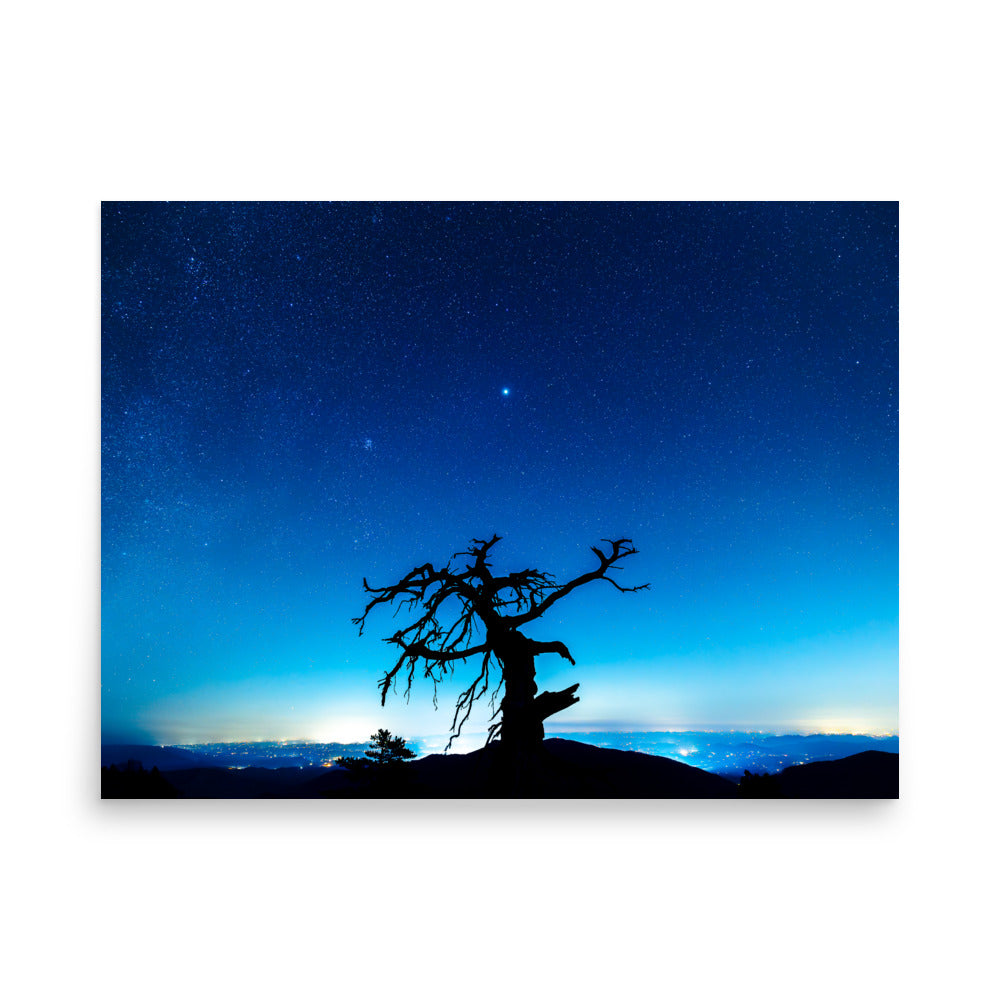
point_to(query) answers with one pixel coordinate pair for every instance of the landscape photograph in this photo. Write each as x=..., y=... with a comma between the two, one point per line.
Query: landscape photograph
x=499, y=500
x=489, y=489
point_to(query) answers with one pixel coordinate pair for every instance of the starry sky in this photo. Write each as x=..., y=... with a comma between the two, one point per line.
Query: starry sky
x=299, y=395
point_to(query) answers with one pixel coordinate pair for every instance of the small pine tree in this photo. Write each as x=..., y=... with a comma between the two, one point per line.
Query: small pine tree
x=384, y=751
x=388, y=749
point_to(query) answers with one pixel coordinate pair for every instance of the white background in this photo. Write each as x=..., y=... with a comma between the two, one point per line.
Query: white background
x=522, y=100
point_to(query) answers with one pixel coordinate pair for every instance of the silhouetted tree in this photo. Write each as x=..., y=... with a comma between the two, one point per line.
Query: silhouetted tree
x=458, y=606
x=384, y=751
x=388, y=749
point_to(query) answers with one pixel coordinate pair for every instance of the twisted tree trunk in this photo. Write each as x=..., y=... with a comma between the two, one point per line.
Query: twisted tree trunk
x=522, y=728
x=520, y=731
x=522, y=708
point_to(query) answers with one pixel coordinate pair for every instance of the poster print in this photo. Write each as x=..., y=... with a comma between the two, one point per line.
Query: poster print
x=586, y=500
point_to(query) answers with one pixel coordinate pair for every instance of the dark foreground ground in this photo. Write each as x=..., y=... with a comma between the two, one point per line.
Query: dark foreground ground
x=563, y=769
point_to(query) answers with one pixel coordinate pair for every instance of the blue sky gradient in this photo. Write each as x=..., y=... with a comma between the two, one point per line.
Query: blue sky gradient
x=296, y=396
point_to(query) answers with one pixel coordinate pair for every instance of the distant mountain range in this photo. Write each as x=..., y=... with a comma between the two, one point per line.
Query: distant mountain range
x=731, y=753
x=727, y=753
x=262, y=754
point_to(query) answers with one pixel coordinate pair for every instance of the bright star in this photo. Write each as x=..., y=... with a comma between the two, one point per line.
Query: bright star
x=506, y=392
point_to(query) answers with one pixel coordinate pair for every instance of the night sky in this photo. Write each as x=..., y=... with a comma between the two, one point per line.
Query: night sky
x=296, y=396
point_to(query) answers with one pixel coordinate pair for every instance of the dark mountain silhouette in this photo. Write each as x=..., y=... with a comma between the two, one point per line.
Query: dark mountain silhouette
x=873, y=774
x=561, y=769
x=565, y=769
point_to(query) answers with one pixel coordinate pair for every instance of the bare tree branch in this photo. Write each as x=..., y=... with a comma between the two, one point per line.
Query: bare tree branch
x=552, y=647
x=620, y=549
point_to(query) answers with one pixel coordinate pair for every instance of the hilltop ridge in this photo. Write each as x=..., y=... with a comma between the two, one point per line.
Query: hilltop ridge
x=562, y=769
